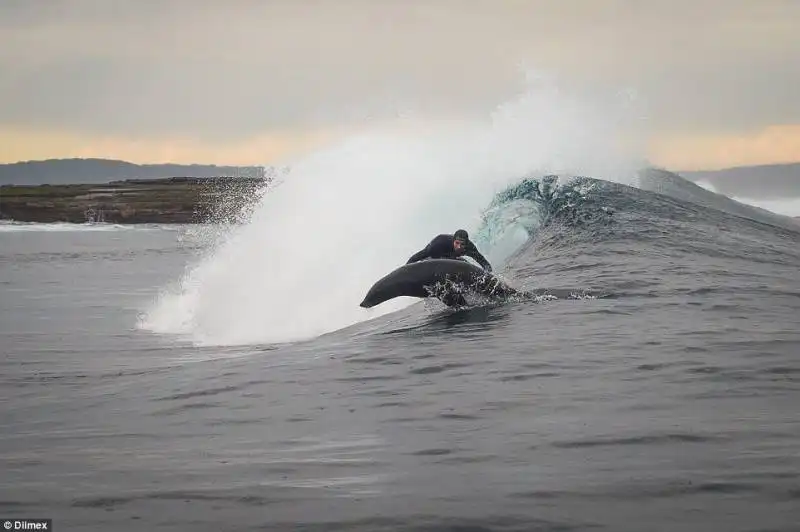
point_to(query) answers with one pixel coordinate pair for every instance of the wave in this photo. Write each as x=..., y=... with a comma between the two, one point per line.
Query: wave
x=546, y=188
x=670, y=184
x=785, y=207
x=534, y=201
x=515, y=213
x=575, y=233
x=345, y=216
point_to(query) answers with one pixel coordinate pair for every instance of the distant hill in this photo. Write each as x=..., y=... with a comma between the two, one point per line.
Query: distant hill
x=772, y=181
x=96, y=171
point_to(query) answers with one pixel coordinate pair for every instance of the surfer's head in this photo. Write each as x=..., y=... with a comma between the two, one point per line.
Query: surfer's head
x=460, y=239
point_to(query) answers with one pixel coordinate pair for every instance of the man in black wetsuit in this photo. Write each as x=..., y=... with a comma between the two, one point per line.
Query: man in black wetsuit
x=451, y=247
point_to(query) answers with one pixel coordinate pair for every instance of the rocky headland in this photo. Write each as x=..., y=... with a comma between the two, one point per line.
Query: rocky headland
x=181, y=200
x=114, y=191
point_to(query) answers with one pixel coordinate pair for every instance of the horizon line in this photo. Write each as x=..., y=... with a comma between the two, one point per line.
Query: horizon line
x=234, y=165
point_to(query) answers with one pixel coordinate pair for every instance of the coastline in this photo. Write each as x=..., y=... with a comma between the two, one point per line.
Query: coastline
x=183, y=200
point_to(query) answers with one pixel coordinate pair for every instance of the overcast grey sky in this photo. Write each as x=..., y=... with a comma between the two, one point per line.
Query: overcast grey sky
x=227, y=72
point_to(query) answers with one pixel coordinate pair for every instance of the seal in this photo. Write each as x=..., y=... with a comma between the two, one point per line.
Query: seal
x=444, y=279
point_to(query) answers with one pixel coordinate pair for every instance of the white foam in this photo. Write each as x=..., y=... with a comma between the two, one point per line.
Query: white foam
x=347, y=215
x=787, y=207
x=707, y=185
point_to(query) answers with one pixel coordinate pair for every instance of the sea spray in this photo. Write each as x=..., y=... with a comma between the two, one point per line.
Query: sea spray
x=347, y=215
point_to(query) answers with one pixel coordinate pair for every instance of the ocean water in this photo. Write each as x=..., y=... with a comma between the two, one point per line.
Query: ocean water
x=207, y=378
x=669, y=405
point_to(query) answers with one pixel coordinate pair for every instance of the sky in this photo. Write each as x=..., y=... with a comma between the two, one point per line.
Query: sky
x=252, y=81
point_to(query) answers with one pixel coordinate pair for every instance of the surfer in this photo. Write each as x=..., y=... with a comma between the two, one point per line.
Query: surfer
x=451, y=247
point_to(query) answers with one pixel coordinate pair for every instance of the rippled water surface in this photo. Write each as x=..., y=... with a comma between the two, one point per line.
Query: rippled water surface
x=669, y=405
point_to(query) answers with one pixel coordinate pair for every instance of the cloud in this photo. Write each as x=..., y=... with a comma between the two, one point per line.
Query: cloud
x=778, y=144
x=255, y=150
x=222, y=71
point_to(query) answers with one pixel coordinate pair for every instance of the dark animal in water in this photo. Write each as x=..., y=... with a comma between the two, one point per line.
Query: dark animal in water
x=445, y=279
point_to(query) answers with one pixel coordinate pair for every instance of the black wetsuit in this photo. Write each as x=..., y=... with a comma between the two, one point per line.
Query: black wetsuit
x=441, y=247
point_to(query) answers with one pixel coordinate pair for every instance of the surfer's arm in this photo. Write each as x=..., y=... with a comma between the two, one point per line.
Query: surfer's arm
x=419, y=255
x=480, y=259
